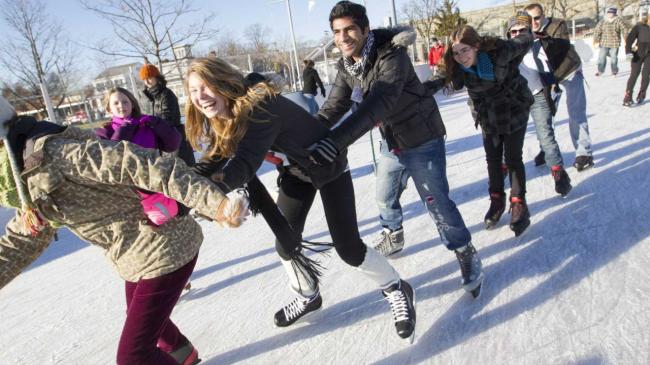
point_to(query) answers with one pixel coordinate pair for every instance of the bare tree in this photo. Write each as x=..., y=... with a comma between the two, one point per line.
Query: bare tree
x=149, y=28
x=35, y=53
x=257, y=35
x=420, y=14
x=566, y=9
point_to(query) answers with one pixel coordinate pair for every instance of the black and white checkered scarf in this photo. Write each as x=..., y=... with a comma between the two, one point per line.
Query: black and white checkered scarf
x=358, y=69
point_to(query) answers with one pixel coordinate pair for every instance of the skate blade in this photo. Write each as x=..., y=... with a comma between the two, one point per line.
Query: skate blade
x=302, y=319
x=490, y=225
x=475, y=284
x=394, y=254
x=520, y=229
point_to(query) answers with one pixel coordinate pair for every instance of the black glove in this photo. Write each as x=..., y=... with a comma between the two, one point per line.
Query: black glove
x=323, y=152
x=322, y=92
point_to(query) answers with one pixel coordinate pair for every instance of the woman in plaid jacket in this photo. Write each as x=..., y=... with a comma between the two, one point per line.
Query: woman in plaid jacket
x=500, y=101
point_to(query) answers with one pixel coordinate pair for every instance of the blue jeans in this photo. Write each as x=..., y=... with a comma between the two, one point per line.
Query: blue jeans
x=541, y=114
x=310, y=99
x=427, y=165
x=576, y=103
x=613, y=59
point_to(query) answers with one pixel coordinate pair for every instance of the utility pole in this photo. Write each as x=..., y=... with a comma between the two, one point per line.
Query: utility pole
x=392, y=2
x=295, y=49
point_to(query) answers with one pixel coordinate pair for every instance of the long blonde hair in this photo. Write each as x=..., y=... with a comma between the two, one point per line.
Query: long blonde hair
x=222, y=133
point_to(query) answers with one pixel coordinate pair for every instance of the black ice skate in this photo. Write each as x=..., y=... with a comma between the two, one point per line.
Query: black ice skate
x=562, y=180
x=540, y=159
x=640, y=98
x=519, y=216
x=297, y=309
x=627, y=99
x=583, y=162
x=401, y=298
x=186, y=354
x=497, y=207
x=471, y=269
x=390, y=242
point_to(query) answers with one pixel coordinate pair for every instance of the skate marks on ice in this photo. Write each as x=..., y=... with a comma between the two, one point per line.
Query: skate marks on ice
x=564, y=250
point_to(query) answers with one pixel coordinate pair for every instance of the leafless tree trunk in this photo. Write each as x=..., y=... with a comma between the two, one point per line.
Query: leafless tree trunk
x=141, y=27
x=420, y=14
x=567, y=8
x=35, y=52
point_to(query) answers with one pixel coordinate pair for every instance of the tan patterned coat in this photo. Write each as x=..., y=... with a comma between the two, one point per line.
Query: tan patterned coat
x=89, y=186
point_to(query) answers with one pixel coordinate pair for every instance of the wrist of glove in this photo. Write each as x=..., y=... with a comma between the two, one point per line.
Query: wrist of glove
x=323, y=152
x=232, y=211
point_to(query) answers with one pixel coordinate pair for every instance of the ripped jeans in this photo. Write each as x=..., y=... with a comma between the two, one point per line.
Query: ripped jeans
x=426, y=165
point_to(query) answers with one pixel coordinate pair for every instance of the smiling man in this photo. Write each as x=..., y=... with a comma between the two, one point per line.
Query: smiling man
x=377, y=77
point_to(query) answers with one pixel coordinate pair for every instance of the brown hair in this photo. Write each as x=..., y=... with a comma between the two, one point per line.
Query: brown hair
x=534, y=6
x=222, y=133
x=136, y=112
x=465, y=34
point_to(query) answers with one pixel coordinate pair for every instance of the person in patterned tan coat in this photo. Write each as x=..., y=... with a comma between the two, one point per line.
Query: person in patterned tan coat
x=56, y=176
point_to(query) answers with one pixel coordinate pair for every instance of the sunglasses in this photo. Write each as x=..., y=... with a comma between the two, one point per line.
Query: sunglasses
x=518, y=31
x=538, y=18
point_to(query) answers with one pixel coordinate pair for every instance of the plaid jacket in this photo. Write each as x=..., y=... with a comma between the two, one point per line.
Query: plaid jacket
x=608, y=34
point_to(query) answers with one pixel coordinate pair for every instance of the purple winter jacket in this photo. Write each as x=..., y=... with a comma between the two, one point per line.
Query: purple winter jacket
x=146, y=131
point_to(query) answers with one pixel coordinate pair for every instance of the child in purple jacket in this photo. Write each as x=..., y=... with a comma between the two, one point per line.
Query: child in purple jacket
x=129, y=124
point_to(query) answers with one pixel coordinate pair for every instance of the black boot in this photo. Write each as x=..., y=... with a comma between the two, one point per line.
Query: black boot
x=627, y=99
x=562, y=180
x=497, y=207
x=540, y=159
x=519, y=215
x=641, y=97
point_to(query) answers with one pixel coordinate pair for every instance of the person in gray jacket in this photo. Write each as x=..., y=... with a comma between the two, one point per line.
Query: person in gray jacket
x=567, y=69
x=376, y=75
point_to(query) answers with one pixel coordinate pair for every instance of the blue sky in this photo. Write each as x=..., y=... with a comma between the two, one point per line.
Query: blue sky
x=233, y=16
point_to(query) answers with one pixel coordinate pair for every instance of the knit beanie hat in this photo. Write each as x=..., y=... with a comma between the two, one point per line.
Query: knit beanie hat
x=521, y=18
x=13, y=192
x=148, y=70
x=612, y=10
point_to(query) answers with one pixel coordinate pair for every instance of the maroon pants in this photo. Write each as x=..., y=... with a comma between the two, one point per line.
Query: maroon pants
x=148, y=334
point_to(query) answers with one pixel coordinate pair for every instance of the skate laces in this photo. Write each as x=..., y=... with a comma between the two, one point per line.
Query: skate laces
x=398, y=305
x=384, y=242
x=465, y=259
x=296, y=307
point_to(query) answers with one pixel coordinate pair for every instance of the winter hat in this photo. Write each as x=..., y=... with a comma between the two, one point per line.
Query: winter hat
x=520, y=18
x=612, y=10
x=148, y=70
x=12, y=191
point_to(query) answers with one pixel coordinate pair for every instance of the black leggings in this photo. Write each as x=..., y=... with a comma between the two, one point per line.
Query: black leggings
x=637, y=65
x=510, y=145
x=296, y=198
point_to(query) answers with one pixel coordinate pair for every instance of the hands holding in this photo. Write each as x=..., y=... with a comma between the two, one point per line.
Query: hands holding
x=232, y=211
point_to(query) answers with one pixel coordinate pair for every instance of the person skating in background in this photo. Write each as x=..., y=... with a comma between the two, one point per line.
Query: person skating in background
x=129, y=124
x=311, y=82
x=164, y=105
x=567, y=69
x=436, y=52
x=239, y=122
x=56, y=176
x=500, y=102
x=637, y=44
x=607, y=36
x=536, y=69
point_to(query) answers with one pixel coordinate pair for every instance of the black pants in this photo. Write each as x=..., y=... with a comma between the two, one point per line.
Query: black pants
x=510, y=146
x=296, y=198
x=640, y=65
